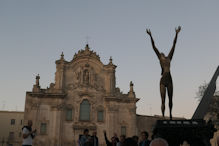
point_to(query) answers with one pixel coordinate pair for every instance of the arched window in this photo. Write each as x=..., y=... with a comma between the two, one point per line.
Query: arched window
x=85, y=110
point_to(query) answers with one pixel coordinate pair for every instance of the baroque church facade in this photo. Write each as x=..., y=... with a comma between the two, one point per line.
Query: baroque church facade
x=84, y=95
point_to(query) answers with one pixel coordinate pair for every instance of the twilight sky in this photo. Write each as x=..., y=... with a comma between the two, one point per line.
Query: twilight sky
x=34, y=33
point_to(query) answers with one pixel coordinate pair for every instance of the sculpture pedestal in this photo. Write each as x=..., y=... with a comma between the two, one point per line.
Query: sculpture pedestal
x=195, y=132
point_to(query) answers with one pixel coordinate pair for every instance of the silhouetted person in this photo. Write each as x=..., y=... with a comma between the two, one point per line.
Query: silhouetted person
x=113, y=140
x=84, y=138
x=95, y=139
x=135, y=138
x=130, y=142
x=116, y=137
x=28, y=134
x=121, y=141
x=166, y=79
x=144, y=139
x=89, y=142
x=79, y=140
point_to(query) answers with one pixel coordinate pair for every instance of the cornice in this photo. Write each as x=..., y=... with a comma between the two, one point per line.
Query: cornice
x=47, y=95
x=122, y=99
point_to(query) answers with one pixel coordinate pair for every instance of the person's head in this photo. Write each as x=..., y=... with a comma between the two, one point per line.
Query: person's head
x=144, y=135
x=185, y=143
x=159, y=142
x=30, y=123
x=135, y=138
x=113, y=139
x=122, y=138
x=86, y=132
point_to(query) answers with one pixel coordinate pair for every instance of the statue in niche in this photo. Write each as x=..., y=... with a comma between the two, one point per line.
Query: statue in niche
x=166, y=79
x=86, y=77
x=79, y=77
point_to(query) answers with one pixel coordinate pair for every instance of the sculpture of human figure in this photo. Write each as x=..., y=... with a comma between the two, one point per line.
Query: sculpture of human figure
x=166, y=79
x=86, y=77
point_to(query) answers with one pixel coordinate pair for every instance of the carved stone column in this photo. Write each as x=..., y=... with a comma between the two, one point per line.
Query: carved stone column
x=133, y=121
x=57, y=112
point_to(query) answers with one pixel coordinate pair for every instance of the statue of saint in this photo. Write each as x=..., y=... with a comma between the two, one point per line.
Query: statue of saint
x=86, y=77
x=38, y=80
x=166, y=79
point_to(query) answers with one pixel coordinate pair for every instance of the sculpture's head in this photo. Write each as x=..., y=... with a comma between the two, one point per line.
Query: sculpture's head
x=162, y=55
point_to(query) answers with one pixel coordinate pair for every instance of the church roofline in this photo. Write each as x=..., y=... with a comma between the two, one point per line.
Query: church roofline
x=110, y=64
x=12, y=112
x=86, y=52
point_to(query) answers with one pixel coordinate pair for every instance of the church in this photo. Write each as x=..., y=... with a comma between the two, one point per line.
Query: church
x=84, y=95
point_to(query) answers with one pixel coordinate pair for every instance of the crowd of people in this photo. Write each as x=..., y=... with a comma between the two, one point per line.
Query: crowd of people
x=87, y=140
x=92, y=140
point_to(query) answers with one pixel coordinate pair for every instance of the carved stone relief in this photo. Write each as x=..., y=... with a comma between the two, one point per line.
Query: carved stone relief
x=58, y=107
x=85, y=76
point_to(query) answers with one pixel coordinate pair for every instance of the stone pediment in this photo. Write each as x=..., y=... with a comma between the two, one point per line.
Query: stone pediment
x=86, y=53
x=86, y=76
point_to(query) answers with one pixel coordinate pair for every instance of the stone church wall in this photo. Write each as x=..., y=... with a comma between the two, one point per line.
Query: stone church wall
x=84, y=78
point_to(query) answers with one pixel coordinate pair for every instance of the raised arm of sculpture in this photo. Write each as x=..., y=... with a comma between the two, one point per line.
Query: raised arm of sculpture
x=170, y=55
x=152, y=42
